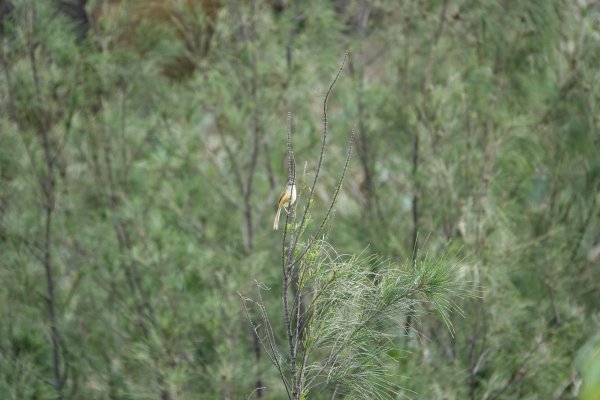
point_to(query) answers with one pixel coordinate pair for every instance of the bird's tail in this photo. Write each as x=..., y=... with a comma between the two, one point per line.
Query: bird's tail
x=276, y=222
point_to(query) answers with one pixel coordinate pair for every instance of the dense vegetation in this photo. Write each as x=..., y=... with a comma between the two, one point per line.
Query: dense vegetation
x=143, y=147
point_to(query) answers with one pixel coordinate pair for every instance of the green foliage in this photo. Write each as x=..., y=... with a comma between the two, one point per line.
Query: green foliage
x=588, y=362
x=158, y=141
x=357, y=309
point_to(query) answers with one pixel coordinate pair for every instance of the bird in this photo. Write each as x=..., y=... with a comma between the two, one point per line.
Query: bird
x=287, y=199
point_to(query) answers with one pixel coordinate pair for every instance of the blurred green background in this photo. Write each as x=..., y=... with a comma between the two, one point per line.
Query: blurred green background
x=143, y=149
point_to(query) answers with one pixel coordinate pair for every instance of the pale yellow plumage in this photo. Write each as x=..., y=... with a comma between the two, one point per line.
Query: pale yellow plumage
x=287, y=199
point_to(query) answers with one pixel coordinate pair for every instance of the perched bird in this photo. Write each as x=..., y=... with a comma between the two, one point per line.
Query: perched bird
x=287, y=199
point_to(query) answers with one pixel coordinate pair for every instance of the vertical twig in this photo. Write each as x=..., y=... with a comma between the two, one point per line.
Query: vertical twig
x=415, y=148
x=48, y=190
x=287, y=268
x=254, y=132
x=316, y=178
x=415, y=197
x=254, y=143
x=256, y=347
x=363, y=147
